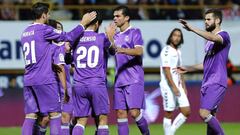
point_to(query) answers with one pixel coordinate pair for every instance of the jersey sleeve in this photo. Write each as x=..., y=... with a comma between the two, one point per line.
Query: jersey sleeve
x=225, y=37
x=58, y=36
x=137, y=38
x=165, y=57
x=58, y=56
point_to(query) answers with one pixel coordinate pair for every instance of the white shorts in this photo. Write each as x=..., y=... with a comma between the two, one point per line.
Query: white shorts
x=170, y=101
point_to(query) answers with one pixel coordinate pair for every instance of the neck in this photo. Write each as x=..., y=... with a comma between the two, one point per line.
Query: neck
x=39, y=21
x=91, y=27
x=124, y=27
x=217, y=29
x=173, y=46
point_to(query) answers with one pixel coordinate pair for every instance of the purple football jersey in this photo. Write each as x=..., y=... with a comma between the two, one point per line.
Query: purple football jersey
x=215, y=69
x=129, y=69
x=36, y=41
x=90, y=59
x=58, y=58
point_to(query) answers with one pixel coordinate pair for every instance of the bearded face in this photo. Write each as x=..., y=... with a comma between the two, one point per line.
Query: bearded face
x=210, y=27
x=210, y=22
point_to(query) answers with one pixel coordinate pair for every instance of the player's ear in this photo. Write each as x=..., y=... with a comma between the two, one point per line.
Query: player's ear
x=44, y=16
x=217, y=20
x=127, y=18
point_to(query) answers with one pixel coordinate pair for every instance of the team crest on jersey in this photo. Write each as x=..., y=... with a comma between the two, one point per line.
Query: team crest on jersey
x=126, y=38
x=61, y=57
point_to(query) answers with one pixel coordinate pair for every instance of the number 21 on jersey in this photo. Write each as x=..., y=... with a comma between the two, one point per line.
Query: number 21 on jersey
x=29, y=52
x=91, y=58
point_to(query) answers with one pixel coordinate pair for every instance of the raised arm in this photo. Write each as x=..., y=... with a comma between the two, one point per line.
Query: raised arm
x=58, y=36
x=110, y=31
x=207, y=35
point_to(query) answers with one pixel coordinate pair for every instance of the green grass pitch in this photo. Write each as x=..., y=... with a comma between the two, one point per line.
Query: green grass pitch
x=155, y=129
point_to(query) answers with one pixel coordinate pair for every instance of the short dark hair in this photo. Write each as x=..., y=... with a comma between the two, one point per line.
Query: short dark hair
x=170, y=36
x=97, y=19
x=125, y=10
x=54, y=23
x=38, y=9
x=217, y=13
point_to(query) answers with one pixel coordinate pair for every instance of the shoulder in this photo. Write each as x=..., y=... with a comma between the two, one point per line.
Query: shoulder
x=135, y=30
x=224, y=34
x=102, y=35
x=168, y=50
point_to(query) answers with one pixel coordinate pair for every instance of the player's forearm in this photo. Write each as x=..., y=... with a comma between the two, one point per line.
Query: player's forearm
x=197, y=67
x=134, y=52
x=169, y=78
x=62, y=77
x=207, y=35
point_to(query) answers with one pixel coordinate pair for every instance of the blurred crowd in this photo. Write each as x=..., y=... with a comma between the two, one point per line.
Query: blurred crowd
x=147, y=9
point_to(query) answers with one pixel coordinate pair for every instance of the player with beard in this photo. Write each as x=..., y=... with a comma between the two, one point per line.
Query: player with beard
x=172, y=85
x=214, y=83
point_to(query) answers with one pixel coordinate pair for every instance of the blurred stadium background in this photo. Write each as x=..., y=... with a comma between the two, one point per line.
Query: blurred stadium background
x=156, y=18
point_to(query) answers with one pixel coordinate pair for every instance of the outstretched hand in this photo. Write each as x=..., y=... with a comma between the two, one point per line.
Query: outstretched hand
x=88, y=17
x=110, y=31
x=185, y=25
x=181, y=70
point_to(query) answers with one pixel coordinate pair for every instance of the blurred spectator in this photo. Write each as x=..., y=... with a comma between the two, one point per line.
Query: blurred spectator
x=193, y=13
x=231, y=13
x=59, y=13
x=107, y=13
x=25, y=13
x=8, y=12
x=143, y=13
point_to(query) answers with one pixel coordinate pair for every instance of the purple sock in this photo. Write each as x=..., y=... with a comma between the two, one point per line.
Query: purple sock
x=142, y=125
x=123, y=127
x=210, y=131
x=65, y=129
x=78, y=129
x=103, y=130
x=28, y=125
x=215, y=125
x=55, y=125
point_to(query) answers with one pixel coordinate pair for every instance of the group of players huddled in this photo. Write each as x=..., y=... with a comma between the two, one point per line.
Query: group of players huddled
x=49, y=52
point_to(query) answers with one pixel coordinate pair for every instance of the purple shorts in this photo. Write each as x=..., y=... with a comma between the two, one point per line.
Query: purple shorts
x=90, y=100
x=67, y=107
x=129, y=97
x=42, y=98
x=212, y=96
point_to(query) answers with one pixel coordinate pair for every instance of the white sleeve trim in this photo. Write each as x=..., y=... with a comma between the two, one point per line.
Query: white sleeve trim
x=82, y=26
x=138, y=46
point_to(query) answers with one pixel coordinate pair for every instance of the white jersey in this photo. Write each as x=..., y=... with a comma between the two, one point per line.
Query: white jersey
x=170, y=57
